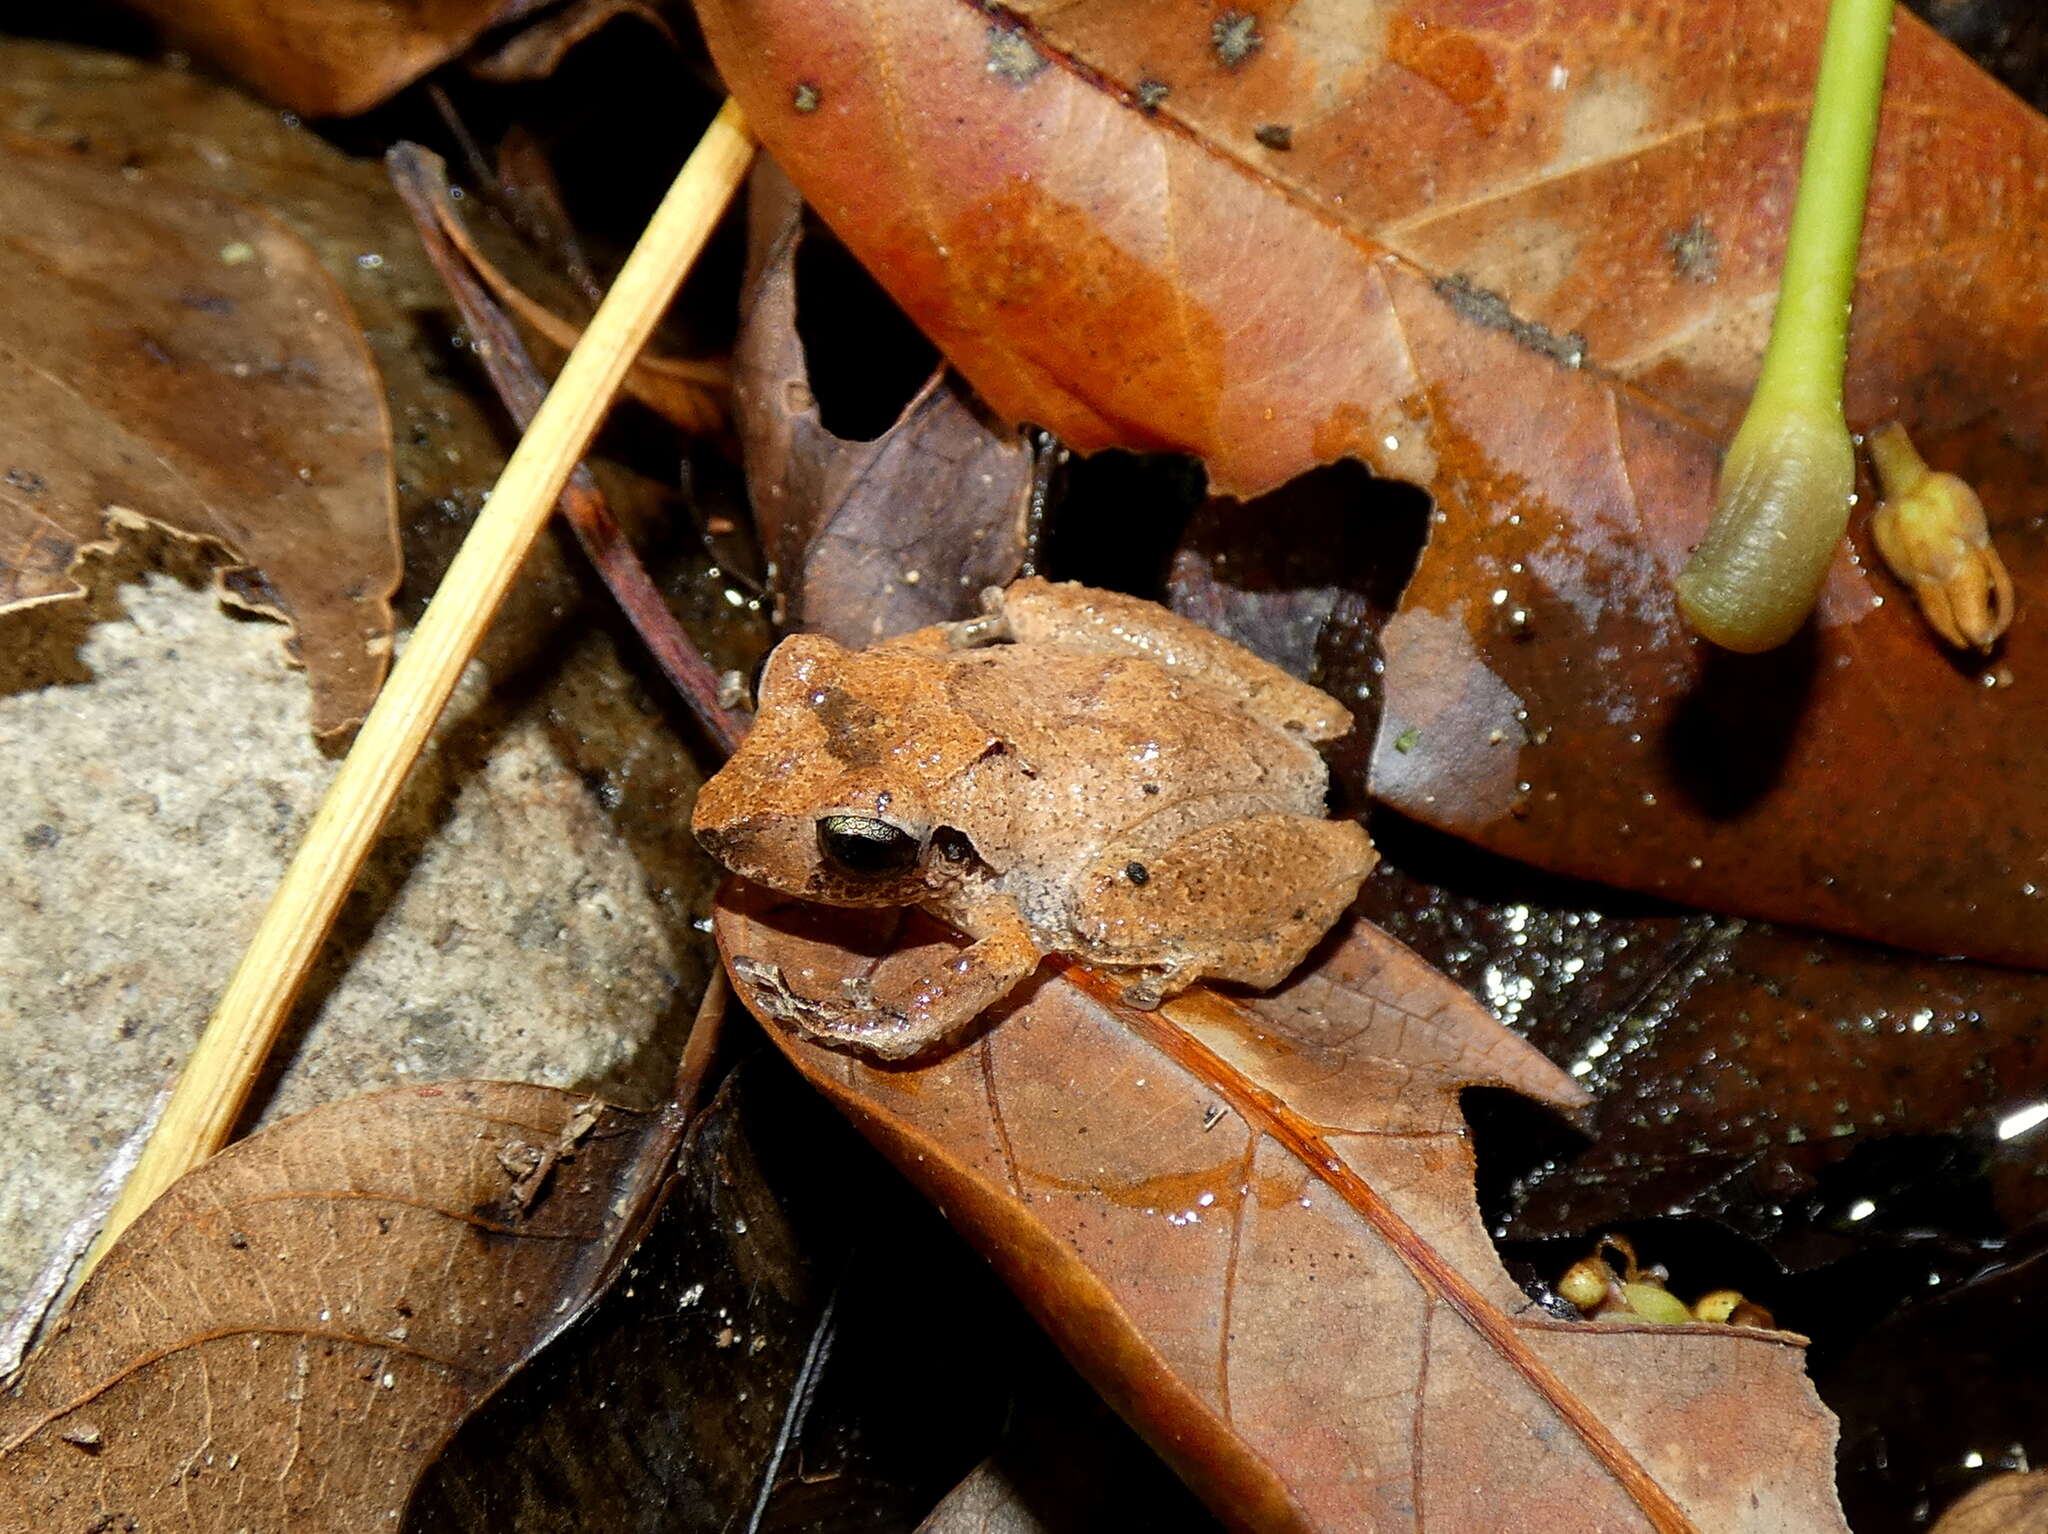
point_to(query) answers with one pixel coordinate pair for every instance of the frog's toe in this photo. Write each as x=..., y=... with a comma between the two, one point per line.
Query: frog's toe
x=1144, y=993
x=858, y=1020
x=1147, y=988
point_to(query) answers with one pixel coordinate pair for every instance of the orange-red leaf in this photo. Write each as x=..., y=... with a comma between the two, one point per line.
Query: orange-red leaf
x=1523, y=255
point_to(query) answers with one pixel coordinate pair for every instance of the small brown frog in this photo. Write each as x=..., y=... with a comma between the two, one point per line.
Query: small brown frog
x=1077, y=772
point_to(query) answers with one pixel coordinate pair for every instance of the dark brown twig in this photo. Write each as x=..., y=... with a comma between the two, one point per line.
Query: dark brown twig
x=420, y=177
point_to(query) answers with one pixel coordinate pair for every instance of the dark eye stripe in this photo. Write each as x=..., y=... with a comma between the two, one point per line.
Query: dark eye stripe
x=861, y=844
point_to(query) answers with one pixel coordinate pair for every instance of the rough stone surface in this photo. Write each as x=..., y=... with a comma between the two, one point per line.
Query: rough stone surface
x=531, y=914
x=506, y=930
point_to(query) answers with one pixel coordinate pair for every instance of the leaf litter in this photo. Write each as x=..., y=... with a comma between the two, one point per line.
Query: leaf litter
x=520, y=865
x=867, y=539
x=1250, y=53
x=289, y=1335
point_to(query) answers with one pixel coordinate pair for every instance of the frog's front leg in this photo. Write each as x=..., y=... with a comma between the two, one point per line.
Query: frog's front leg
x=915, y=1002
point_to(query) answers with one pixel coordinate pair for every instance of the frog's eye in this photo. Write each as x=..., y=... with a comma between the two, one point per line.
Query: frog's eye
x=861, y=844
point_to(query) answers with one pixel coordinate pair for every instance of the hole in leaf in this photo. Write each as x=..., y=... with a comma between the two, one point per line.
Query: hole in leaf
x=866, y=360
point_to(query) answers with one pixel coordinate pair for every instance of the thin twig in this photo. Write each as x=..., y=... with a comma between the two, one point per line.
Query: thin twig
x=211, y=1093
x=421, y=179
x=803, y=1392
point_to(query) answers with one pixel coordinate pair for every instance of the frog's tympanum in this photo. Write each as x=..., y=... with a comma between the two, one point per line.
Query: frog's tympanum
x=1078, y=773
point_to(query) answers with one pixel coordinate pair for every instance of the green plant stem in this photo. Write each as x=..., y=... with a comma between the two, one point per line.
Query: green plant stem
x=1810, y=332
x=1783, y=501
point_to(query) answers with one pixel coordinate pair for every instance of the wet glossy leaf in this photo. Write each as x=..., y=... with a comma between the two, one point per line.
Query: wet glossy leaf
x=1251, y=1224
x=866, y=539
x=1524, y=258
x=1734, y=1064
x=1940, y=1400
x=289, y=1335
x=176, y=359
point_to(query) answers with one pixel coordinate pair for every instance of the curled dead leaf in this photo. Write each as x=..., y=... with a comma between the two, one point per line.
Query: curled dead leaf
x=536, y=50
x=867, y=540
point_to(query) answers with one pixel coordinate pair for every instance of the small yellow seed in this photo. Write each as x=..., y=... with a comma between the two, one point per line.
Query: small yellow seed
x=1717, y=1306
x=1586, y=1282
x=1932, y=533
x=1728, y=1307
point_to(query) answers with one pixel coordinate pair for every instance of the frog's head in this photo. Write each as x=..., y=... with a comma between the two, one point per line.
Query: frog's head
x=829, y=797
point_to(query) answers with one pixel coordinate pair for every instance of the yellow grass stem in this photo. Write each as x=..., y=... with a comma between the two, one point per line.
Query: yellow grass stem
x=215, y=1086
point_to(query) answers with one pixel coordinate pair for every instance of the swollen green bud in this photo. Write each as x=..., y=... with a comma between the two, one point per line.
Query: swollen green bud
x=1783, y=507
x=1651, y=1301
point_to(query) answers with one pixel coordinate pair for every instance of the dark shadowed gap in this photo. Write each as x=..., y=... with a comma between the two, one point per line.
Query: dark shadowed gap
x=2007, y=37
x=656, y=1412
x=93, y=23
x=1117, y=518
x=865, y=359
x=1944, y=1395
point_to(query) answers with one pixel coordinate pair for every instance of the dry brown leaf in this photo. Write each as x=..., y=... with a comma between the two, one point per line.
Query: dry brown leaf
x=330, y=58
x=1251, y=1224
x=176, y=359
x=866, y=540
x=985, y=1502
x=288, y=1336
x=1524, y=257
x=536, y=51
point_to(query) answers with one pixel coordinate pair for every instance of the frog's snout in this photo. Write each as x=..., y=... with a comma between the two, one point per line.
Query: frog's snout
x=721, y=842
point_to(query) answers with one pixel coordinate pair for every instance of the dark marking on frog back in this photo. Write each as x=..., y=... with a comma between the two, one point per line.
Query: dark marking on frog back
x=853, y=731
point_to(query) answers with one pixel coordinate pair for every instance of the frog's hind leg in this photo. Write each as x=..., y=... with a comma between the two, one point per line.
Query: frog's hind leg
x=1240, y=900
